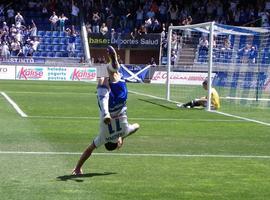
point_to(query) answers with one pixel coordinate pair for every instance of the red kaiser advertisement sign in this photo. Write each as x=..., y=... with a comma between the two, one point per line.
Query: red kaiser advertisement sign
x=181, y=78
x=31, y=73
x=81, y=74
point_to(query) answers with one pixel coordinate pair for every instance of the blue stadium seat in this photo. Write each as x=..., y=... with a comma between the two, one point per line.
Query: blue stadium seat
x=51, y=54
x=48, y=41
x=56, y=41
x=78, y=40
x=65, y=54
x=48, y=34
x=79, y=55
x=62, y=34
x=57, y=48
x=41, y=47
x=63, y=41
x=58, y=54
x=36, y=54
x=55, y=34
x=43, y=54
x=63, y=48
x=49, y=48
x=41, y=33
x=78, y=48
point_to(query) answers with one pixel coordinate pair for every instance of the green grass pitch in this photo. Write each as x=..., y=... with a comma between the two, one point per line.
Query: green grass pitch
x=177, y=153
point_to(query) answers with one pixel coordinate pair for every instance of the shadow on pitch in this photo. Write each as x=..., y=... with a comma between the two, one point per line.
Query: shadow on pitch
x=79, y=178
x=156, y=102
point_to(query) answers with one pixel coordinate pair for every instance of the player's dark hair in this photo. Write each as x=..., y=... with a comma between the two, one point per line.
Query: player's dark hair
x=110, y=146
x=205, y=82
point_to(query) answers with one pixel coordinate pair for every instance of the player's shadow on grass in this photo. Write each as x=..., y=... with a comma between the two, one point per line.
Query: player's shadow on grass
x=79, y=178
x=157, y=102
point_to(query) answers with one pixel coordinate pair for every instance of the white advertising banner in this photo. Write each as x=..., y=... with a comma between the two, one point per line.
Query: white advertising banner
x=56, y=73
x=181, y=78
x=7, y=72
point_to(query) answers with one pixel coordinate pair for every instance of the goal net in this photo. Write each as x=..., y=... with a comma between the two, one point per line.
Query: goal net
x=234, y=60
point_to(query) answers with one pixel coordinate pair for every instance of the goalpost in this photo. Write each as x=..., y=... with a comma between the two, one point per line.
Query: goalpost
x=234, y=60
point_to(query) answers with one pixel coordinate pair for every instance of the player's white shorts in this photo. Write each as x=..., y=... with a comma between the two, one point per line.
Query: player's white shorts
x=119, y=127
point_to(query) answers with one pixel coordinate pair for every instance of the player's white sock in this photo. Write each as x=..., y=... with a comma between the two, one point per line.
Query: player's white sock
x=103, y=100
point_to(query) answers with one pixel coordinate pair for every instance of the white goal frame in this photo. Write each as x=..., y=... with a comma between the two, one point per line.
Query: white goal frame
x=210, y=54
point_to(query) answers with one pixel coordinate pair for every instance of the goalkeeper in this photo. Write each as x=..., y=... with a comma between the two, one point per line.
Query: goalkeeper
x=112, y=95
x=215, y=101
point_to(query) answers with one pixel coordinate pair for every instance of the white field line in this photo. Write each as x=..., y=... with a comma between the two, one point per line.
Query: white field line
x=52, y=93
x=140, y=119
x=221, y=113
x=243, y=118
x=14, y=105
x=248, y=99
x=142, y=154
x=151, y=96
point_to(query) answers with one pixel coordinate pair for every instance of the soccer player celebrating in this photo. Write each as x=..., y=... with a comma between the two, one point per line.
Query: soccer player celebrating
x=215, y=102
x=112, y=96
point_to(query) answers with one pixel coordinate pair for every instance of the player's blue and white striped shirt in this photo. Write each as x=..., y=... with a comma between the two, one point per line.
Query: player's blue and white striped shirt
x=118, y=98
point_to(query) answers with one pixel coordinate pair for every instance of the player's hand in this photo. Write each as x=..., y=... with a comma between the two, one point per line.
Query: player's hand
x=120, y=142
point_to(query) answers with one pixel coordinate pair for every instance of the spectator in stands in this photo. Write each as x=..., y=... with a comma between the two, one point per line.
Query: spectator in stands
x=203, y=44
x=5, y=53
x=264, y=18
x=103, y=29
x=62, y=21
x=139, y=17
x=142, y=30
x=162, y=12
x=253, y=55
x=10, y=15
x=173, y=57
x=243, y=53
x=74, y=13
x=13, y=30
x=44, y=11
x=26, y=47
x=152, y=62
x=34, y=45
x=15, y=47
x=155, y=26
x=173, y=13
x=71, y=42
x=227, y=43
x=88, y=27
x=95, y=22
x=54, y=19
x=5, y=27
x=19, y=20
x=33, y=29
x=134, y=34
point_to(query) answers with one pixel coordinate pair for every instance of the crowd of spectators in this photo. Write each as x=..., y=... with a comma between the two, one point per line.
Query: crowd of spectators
x=151, y=16
x=18, y=39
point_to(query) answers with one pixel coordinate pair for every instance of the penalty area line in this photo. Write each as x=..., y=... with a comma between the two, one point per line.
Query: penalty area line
x=13, y=104
x=243, y=118
x=140, y=119
x=142, y=154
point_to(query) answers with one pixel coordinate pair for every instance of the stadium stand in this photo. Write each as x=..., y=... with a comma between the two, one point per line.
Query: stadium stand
x=124, y=16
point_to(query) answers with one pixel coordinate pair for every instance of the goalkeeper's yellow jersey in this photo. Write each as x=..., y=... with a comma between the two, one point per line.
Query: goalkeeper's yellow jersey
x=215, y=98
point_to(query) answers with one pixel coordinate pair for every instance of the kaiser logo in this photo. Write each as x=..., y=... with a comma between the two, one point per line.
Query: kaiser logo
x=83, y=74
x=30, y=73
